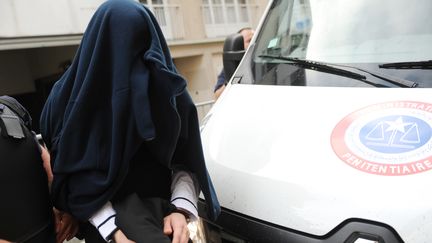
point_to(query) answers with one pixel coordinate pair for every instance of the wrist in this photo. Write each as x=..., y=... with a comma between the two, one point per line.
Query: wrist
x=111, y=237
x=104, y=221
x=185, y=213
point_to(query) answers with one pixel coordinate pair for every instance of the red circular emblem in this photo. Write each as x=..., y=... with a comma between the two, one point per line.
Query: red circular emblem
x=390, y=139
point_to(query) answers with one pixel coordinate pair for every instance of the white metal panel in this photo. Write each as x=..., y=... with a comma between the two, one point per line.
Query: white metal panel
x=43, y=17
x=7, y=18
x=82, y=11
x=268, y=150
x=21, y=18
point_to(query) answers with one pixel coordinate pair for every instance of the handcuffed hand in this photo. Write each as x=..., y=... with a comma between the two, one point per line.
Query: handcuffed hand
x=175, y=224
x=66, y=226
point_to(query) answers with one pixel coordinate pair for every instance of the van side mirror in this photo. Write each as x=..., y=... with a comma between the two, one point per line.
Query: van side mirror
x=233, y=52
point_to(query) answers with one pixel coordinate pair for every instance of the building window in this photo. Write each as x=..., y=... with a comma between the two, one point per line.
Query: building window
x=225, y=11
x=224, y=17
x=167, y=16
x=158, y=9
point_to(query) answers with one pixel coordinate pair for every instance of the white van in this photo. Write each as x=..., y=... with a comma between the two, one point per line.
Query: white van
x=324, y=132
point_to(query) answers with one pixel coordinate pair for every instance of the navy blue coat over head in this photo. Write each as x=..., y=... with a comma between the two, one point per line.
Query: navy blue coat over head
x=121, y=90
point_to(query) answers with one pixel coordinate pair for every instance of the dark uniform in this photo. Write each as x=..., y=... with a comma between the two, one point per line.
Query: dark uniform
x=25, y=207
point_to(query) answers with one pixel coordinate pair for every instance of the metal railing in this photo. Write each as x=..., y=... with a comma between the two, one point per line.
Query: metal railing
x=203, y=108
x=225, y=19
x=170, y=19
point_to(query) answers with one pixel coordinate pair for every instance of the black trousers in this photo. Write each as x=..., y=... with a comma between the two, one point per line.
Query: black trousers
x=140, y=219
x=47, y=235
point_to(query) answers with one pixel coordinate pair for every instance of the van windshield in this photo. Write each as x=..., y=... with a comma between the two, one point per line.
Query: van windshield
x=360, y=33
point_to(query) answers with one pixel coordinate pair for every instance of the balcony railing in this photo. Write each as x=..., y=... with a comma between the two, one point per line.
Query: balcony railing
x=225, y=19
x=170, y=19
x=23, y=18
x=203, y=108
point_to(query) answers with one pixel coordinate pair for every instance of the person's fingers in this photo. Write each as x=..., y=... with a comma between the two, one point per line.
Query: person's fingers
x=167, y=229
x=70, y=235
x=60, y=239
x=70, y=226
x=177, y=227
x=57, y=219
x=68, y=231
x=176, y=236
x=185, y=235
x=178, y=233
x=74, y=231
x=61, y=236
x=63, y=232
x=66, y=228
x=59, y=231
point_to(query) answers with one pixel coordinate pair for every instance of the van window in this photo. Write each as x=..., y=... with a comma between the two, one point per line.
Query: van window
x=361, y=33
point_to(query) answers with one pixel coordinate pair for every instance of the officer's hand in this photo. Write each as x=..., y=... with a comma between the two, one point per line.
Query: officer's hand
x=175, y=224
x=66, y=226
x=46, y=164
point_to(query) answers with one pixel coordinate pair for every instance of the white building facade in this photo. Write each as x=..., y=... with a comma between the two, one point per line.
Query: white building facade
x=38, y=38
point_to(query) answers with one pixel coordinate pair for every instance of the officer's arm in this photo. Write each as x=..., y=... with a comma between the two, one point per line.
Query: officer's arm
x=46, y=164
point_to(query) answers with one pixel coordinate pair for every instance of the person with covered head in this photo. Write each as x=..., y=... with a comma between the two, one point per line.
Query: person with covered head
x=123, y=134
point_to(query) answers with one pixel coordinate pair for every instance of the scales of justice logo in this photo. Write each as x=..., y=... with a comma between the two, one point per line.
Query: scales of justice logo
x=391, y=139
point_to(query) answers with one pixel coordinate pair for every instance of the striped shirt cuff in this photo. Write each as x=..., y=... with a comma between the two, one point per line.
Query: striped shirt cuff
x=104, y=221
x=184, y=194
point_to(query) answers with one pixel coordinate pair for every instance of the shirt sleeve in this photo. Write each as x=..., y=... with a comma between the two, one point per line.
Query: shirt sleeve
x=184, y=192
x=104, y=221
x=221, y=80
